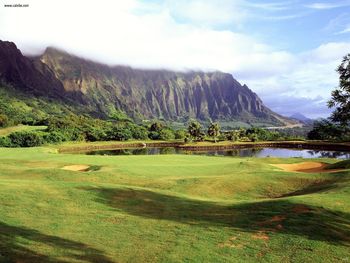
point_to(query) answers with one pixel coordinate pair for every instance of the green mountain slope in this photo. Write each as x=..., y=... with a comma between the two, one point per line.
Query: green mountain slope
x=101, y=91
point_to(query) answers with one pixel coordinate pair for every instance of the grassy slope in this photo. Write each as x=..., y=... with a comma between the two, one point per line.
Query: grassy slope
x=6, y=131
x=168, y=208
x=341, y=165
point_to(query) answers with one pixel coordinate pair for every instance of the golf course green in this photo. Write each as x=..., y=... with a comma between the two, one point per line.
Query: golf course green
x=59, y=207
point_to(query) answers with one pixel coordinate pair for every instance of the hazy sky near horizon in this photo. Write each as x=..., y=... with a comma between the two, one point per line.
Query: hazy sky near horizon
x=285, y=51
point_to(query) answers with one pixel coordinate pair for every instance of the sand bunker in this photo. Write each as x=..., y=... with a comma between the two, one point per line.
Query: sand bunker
x=77, y=167
x=306, y=167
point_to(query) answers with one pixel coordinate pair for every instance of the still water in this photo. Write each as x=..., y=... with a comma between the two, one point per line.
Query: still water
x=248, y=152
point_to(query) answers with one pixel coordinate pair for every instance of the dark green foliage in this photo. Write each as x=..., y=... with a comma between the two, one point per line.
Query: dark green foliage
x=54, y=137
x=95, y=134
x=260, y=134
x=213, y=130
x=159, y=131
x=119, y=116
x=341, y=96
x=26, y=139
x=77, y=128
x=21, y=108
x=154, y=135
x=256, y=134
x=238, y=135
x=156, y=127
x=194, y=129
x=180, y=134
x=5, y=142
x=298, y=133
x=119, y=133
x=166, y=134
x=327, y=130
x=138, y=132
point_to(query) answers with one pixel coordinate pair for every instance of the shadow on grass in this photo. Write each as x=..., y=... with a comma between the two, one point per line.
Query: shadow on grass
x=320, y=185
x=278, y=215
x=14, y=247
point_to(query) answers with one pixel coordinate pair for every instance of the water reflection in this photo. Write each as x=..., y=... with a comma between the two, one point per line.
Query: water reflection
x=247, y=152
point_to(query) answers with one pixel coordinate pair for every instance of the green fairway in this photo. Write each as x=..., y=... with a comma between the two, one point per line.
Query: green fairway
x=169, y=208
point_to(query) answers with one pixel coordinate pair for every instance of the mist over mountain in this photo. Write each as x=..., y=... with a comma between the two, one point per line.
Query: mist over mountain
x=102, y=90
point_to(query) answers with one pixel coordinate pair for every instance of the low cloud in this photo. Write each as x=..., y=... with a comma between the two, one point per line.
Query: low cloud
x=129, y=32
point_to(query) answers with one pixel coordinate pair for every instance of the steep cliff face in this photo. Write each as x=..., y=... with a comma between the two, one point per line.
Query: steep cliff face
x=157, y=93
x=30, y=75
x=142, y=94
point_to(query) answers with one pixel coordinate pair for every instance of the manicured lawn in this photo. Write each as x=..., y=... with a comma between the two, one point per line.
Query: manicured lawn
x=169, y=208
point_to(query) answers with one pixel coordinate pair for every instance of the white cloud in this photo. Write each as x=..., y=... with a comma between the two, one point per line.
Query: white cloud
x=323, y=5
x=311, y=74
x=269, y=6
x=117, y=32
x=346, y=30
x=310, y=78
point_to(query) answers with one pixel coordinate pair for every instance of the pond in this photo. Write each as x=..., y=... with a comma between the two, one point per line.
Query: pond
x=246, y=152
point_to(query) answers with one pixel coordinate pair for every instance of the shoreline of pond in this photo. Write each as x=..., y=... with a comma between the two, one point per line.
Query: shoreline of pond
x=206, y=146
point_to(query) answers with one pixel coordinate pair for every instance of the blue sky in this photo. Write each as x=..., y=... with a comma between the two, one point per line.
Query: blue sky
x=285, y=51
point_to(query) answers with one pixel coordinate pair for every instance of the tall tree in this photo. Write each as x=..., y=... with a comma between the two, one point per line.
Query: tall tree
x=341, y=95
x=214, y=130
x=194, y=129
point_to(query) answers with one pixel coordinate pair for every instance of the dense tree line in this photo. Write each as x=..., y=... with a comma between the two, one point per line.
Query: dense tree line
x=82, y=128
x=214, y=133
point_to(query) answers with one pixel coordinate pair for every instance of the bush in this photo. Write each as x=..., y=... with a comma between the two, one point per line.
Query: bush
x=119, y=134
x=166, y=134
x=5, y=142
x=180, y=134
x=26, y=139
x=95, y=134
x=154, y=135
x=139, y=132
x=54, y=137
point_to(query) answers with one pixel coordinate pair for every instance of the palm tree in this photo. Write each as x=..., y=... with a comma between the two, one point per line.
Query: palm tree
x=194, y=129
x=214, y=130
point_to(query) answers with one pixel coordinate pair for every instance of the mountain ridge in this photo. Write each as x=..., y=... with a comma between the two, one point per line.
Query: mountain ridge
x=139, y=93
x=302, y=118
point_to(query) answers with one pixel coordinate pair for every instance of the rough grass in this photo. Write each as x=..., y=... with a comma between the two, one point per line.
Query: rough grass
x=8, y=130
x=340, y=165
x=169, y=208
